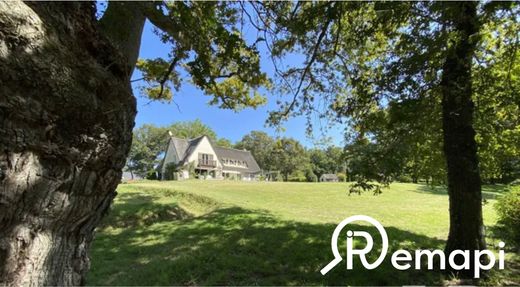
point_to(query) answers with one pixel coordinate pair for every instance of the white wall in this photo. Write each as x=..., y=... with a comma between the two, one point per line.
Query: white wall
x=204, y=147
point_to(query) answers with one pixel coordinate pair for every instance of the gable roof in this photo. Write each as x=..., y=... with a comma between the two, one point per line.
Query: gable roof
x=185, y=147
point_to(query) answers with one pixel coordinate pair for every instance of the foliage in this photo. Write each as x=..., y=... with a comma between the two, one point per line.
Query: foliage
x=508, y=211
x=278, y=177
x=261, y=146
x=223, y=142
x=151, y=174
x=191, y=169
x=341, y=177
x=171, y=170
x=371, y=161
x=288, y=156
x=297, y=176
x=362, y=185
x=191, y=130
x=497, y=113
x=404, y=178
x=147, y=143
x=377, y=66
x=330, y=160
x=310, y=176
x=208, y=46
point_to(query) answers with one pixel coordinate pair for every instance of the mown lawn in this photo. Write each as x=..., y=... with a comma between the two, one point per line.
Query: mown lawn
x=256, y=233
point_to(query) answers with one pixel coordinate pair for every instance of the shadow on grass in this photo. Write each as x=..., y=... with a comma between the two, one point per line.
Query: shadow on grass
x=234, y=246
x=488, y=191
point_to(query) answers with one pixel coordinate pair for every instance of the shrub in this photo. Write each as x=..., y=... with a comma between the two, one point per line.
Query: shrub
x=278, y=177
x=297, y=176
x=341, y=176
x=404, y=178
x=151, y=174
x=310, y=176
x=508, y=210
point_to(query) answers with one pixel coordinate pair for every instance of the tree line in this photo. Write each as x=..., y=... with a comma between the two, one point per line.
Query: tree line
x=381, y=156
x=281, y=159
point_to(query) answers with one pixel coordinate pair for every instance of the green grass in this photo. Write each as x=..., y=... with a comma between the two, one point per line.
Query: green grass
x=256, y=233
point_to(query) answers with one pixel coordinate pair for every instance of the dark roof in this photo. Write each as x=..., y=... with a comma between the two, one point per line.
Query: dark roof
x=237, y=154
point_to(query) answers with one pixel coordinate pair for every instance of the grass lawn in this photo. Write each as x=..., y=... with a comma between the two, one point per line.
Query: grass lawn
x=257, y=233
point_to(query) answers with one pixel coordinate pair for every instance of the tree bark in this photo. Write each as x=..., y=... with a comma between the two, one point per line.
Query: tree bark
x=460, y=148
x=66, y=116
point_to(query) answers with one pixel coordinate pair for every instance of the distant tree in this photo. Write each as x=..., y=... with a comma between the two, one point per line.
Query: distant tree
x=261, y=145
x=192, y=129
x=369, y=161
x=319, y=161
x=223, y=142
x=330, y=160
x=336, y=161
x=310, y=176
x=288, y=156
x=148, y=142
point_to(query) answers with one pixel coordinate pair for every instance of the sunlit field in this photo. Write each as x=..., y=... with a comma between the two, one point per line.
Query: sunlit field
x=258, y=233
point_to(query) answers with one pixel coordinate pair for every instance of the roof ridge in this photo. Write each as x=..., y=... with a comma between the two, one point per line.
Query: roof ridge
x=186, y=139
x=243, y=150
x=198, y=137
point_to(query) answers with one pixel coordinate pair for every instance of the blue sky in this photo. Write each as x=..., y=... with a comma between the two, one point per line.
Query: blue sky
x=228, y=124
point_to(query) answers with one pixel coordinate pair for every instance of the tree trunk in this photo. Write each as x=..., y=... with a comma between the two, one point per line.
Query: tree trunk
x=66, y=115
x=464, y=186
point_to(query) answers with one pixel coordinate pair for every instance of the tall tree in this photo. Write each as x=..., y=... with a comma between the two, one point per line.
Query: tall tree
x=191, y=129
x=224, y=142
x=67, y=114
x=330, y=160
x=288, y=156
x=360, y=57
x=148, y=142
x=261, y=145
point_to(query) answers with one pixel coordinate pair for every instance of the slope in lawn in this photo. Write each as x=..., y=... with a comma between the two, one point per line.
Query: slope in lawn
x=236, y=233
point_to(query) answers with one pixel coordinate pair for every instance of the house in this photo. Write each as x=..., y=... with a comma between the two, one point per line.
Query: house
x=206, y=160
x=329, y=177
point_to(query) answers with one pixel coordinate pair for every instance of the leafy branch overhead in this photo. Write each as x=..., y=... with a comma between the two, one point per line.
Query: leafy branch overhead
x=209, y=49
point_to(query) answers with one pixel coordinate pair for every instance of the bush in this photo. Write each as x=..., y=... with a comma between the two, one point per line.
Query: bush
x=310, y=176
x=508, y=210
x=278, y=177
x=151, y=174
x=404, y=178
x=297, y=176
x=341, y=176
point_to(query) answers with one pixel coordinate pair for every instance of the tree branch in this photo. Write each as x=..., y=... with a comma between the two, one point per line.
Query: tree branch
x=308, y=67
x=163, y=81
x=159, y=20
